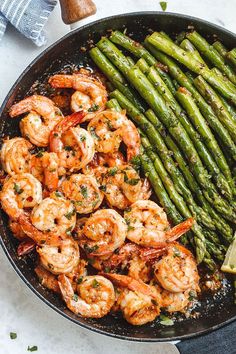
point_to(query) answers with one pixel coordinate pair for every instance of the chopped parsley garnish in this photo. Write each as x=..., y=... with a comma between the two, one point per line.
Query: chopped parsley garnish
x=82, y=138
x=107, y=269
x=90, y=249
x=112, y=171
x=176, y=252
x=166, y=321
x=39, y=154
x=13, y=335
x=95, y=283
x=93, y=108
x=84, y=191
x=58, y=194
x=75, y=297
x=68, y=231
x=192, y=295
x=70, y=214
x=130, y=228
x=94, y=134
x=163, y=5
x=103, y=188
x=131, y=181
x=68, y=148
x=34, y=348
x=79, y=280
x=17, y=189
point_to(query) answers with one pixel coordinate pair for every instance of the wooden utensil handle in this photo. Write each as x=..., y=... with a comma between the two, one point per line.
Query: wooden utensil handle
x=74, y=10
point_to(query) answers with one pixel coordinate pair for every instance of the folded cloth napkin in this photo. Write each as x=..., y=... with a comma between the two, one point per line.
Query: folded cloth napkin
x=221, y=341
x=27, y=16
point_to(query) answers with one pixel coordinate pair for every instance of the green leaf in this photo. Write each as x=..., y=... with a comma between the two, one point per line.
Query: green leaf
x=13, y=335
x=70, y=214
x=84, y=191
x=163, y=5
x=32, y=349
x=93, y=108
x=17, y=189
x=75, y=297
x=95, y=283
x=166, y=321
x=90, y=249
x=112, y=171
x=79, y=280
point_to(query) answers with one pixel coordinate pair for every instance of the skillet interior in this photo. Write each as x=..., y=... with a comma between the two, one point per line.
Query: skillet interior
x=66, y=52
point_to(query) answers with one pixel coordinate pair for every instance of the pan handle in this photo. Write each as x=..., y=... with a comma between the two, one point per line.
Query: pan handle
x=75, y=10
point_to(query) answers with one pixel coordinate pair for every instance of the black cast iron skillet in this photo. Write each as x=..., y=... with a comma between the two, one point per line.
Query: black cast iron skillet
x=214, y=312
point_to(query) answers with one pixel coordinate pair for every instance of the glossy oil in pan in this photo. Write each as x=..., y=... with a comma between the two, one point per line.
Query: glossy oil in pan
x=214, y=312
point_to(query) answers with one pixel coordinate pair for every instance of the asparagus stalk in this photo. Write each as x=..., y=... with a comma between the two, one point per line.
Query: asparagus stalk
x=232, y=56
x=113, y=103
x=211, y=54
x=203, y=130
x=220, y=48
x=219, y=222
x=228, y=91
x=189, y=47
x=114, y=76
x=218, y=106
x=140, y=52
x=205, y=108
x=158, y=187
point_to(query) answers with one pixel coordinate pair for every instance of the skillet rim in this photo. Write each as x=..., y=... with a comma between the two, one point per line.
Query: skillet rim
x=4, y=247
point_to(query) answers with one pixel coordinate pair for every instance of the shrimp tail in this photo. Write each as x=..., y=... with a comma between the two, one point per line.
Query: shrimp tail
x=180, y=229
x=25, y=247
x=30, y=230
x=131, y=284
x=65, y=124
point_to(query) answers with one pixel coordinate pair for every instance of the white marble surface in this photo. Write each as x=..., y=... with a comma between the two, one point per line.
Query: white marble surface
x=20, y=310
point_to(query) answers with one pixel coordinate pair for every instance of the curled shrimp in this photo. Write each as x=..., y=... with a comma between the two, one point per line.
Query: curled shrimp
x=58, y=254
x=45, y=167
x=73, y=145
x=95, y=296
x=15, y=155
x=19, y=192
x=83, y=191
x=103, y=232
x=90, y=95
x=140, y=303
x=55, y=214
x=42, y=117
x=109, y=128
x=149, y=227
x=122, y=186
x=173, y=302
x=177, y=270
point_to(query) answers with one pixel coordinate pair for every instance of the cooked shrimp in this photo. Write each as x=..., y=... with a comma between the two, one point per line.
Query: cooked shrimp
x=42, y=117
x=55, y=214
x=26, y=246
x=47, y=279
x=122, y=186
x=15, y=155
x=63, y=257
x=45, y=167
x=103, y=232
x=137, y=308
x=109, y=128
x=83, y=191
x=139, y=269
x=16, y=229
x=95, y=298
x=148, y=225
x=146, y=190
x=140, y=303
x=177, y=271
x=20, y=191
x=73, y=145
x=90, y=95
x=173, y=302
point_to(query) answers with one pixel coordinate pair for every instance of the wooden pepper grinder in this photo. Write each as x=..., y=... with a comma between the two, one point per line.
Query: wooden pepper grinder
x=75, y=10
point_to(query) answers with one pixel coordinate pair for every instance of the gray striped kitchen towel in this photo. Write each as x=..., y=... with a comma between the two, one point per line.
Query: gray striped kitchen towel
x=27, y=16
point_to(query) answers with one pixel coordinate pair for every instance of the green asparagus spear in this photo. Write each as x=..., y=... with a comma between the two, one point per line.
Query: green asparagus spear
x=228, y=91
x=189, y=47
x=220, y=48
x=158, y=187
x=203, y=130
x=218, y=106
x=232, y=56
x=211, y=54
x=205, y=108
x=113, y=103
x=114, y=76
